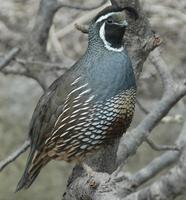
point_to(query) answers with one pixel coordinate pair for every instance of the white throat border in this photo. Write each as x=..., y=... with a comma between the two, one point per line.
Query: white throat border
x=106, y=43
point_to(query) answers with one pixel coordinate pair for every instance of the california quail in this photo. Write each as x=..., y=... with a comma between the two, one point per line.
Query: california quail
x=88, y=106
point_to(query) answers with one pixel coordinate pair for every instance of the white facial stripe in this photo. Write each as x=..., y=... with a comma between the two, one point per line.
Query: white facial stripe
x=106, y=43
x=104, y=17
x=76, y=81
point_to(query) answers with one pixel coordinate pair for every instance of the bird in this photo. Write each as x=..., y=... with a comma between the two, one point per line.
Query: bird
x=88, y=106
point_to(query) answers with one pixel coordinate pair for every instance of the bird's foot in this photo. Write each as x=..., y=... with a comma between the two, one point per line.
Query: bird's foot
x=90, y=173
x=118, y=175
x=88, y=169
x=117, y=171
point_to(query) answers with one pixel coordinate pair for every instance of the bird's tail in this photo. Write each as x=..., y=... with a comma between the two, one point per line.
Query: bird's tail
x=36, y=161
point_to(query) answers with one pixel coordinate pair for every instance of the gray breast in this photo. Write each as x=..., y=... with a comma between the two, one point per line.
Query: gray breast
x=110, y=74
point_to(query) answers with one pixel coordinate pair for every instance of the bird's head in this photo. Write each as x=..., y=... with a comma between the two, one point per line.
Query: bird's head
x=109, y=25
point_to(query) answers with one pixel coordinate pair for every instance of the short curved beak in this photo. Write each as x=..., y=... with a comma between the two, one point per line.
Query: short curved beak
x=124, y=24
x=121, y=20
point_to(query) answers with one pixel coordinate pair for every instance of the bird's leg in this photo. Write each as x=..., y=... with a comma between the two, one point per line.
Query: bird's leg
x=118, y=174
x=158, y=147
x=89, y=171
x=117, y=171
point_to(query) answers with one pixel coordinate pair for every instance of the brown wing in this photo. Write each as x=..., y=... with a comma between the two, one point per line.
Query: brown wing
x=76, y=115
x=44, y=115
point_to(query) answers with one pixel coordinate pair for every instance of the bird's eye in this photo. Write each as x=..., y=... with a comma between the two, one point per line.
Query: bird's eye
x=110, y=20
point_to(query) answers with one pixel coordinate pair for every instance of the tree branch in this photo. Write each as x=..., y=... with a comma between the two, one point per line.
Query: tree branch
x=39, y=37
x=162, y=69
x=163, y=161
x=82, y=28
x=8, y=57
x=26, y=74
x=114, y=2
x=15, y=154
x=158, y=147
x=154, y=167
x=80, y=21
x=37, y=41
x=170, y=185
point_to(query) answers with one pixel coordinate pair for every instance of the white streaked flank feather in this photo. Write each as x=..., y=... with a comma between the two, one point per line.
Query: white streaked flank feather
x=90, y=99
x=75, y=90
x=76, y=80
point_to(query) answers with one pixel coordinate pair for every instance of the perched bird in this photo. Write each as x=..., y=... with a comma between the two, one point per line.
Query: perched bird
x=91, y=104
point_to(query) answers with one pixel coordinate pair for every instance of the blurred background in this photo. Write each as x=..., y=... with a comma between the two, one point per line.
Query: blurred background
x=19, y=95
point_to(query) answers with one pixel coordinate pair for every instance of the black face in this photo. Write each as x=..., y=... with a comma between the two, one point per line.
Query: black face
x=114, y=32
x=111, y=25
x=111, y=28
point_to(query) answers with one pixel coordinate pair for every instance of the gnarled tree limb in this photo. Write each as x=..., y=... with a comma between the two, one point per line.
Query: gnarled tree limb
x=8, y=58
x=15, y=154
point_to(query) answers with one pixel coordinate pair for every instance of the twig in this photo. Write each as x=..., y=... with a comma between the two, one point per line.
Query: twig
x=142, y=108
x=13, y=156
x=56, y=43
x=13, y=72
x=46, y=66
x=82, y=28
x=162, y=68
x=158, y=147
x=174, y=179
x=9, y=57
x=26, y=74
x=160, y=163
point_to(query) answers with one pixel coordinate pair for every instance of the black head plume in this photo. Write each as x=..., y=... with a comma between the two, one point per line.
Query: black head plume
x=132, y=11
